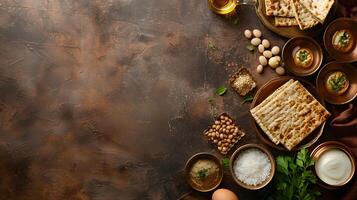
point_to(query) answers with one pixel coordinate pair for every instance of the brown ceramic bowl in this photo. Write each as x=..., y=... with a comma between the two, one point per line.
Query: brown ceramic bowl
x=264, y=150
x=267, y=89
x=336, y=25
x=196, y=157
x=292, y=46
x=351, y=74
x=319, y=150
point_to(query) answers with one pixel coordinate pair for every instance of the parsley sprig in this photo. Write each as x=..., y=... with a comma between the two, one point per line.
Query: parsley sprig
x=294, y=178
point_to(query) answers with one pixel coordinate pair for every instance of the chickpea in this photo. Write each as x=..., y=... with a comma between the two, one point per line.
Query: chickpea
x=228, y=123
x=222, y=117
x=220, y=148
x=224, y=126
x=217, y=134
x=216, y=122
x=215, y=141
x=219, y=143
x=230, y=136
x=229, y=140
x=221, y=136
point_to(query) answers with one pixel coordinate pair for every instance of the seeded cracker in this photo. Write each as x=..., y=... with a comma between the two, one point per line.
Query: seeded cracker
x=242, y=82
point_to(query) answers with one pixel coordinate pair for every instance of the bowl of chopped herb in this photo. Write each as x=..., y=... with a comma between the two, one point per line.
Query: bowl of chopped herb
x=337, y=83
x=302, y=56
x=340, y=39
x=204, y=172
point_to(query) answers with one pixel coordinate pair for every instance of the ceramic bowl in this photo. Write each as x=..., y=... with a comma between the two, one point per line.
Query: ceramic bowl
x=264, y=150
x=339, y=24
x=292, y=46
x=193, y=159
x=324, y=147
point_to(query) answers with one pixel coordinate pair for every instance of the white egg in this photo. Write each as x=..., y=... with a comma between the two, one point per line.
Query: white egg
x=248, y=34
x=260, y=69
x=261, y=48
x=257, y=33
x=266, y=43
x=263, y=61
x=280, y=71
x=273, y=62
x=275, y=50
x=255, y=41
x=267, y=54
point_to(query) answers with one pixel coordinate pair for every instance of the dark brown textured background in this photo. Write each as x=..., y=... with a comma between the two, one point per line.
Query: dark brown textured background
x=107, y=99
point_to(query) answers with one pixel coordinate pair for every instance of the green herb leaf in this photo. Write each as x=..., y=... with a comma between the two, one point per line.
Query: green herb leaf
x=221, y=91
x=225, y=162
x=202, y=173
x=251, y=48
x=247, y=98
x=294, y=178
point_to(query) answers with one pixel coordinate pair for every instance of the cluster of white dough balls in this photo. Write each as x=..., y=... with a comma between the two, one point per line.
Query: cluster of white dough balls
x=270, y=57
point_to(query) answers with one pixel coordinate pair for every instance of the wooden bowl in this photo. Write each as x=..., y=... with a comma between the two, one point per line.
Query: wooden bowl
x=339, y=24
x=319, y=150
x=264, y=150
x=292, y=46
x=192, y=160
x=269, y=88
x=351, y=74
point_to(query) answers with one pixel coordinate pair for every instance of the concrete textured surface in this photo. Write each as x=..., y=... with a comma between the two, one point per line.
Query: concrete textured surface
x=107, y=100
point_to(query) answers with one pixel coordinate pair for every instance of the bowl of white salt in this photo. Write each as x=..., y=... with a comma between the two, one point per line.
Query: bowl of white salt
x=252, y=166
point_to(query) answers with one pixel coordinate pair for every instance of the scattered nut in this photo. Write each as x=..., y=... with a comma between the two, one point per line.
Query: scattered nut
x=260, y=69
x=263, y=61
x=266, y=43
x=267, y=54
x=280, y=71
x=261, y=48
x=255, y=41
x=275, y=50
x=273, y=62
x=278, y=58
x=248, y=34
x=257, y=33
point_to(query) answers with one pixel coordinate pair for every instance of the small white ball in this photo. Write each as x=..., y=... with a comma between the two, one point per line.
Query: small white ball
x=267, y=54
x=275, y=50
x=255, y=41
x=278, y=58
x=260, y=69
x=263, y=61
x=261, y=48
x=248, y=34
x=273, y=62
x=257, y=33
x=280, y=71
x=266, y=43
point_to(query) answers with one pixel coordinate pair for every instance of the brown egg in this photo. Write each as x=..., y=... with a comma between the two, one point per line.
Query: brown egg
x=224, y=194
